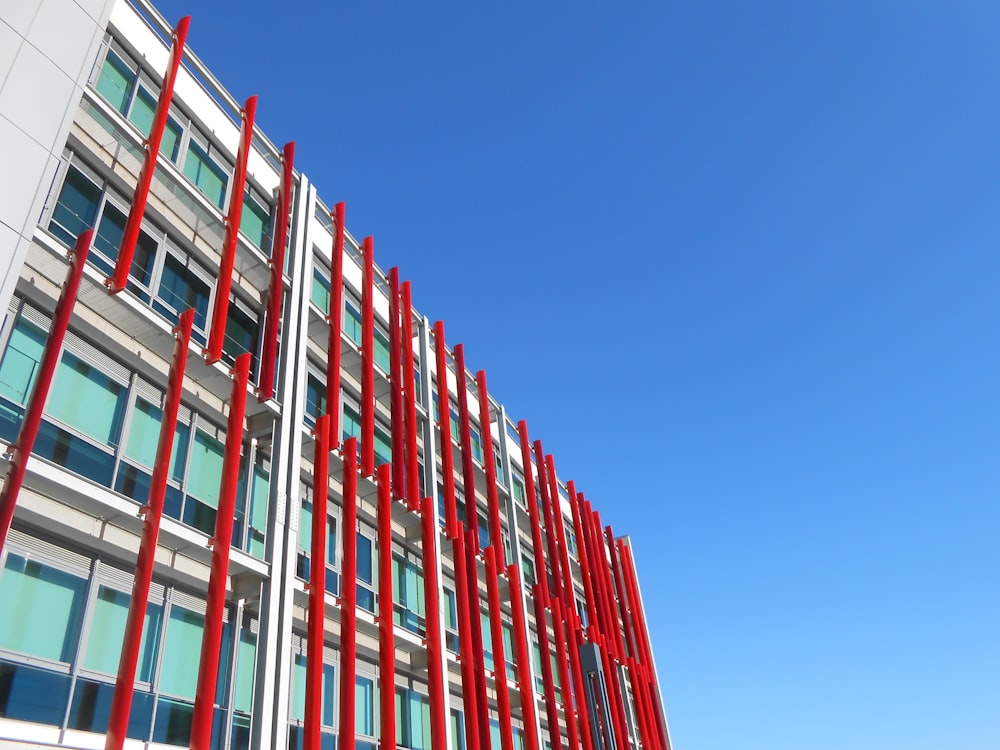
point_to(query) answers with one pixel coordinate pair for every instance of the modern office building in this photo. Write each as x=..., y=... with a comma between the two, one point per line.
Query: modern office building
x=339, y=358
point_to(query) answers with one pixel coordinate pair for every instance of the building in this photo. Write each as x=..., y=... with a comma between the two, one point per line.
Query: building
x=79, y=85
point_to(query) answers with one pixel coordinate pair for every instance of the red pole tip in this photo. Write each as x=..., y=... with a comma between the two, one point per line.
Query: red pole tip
x=289, y=151
x=250, y=107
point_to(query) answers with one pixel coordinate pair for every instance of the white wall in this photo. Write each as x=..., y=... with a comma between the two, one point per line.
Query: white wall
x=47, y=50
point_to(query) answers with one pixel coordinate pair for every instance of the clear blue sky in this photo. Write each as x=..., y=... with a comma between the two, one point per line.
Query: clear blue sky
x=737, y=265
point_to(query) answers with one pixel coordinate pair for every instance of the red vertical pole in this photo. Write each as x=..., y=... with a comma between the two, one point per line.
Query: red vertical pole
x=349, y=597
x=569, y=593
x=489, y=464
x=126, y=250
x=396, y=408
x=475, y=620
x=615, y=622
x=565, y=686
x=208, y=668
x=537, y=549
x=317, y=585
x=121, y=700
x=220, y=311
x=410, y=400
x=444, y=431
x=593, y=541
x=276, y=287
x=635, y=607
x=468, y=468
x=639, y=703
x=368, y=358
x=25, y=442
x=466, y=656
x=621, y=596
x=582, y=556
x=335, y=322
x=551, y=709
x=386, y=640
x=523, y=658
x=432, y=608
x=499, y=658
x=550, y=524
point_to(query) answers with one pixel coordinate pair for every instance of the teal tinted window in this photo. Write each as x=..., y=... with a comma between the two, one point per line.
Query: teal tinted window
x=299, y=690
x=107, y=631
x=144, y=434
x=245, y=660
x=352, y=322
x=255, y=221
x=365, y=564
x=408, y=595
x=352, y=423
x=315, y=397
x=205, y=471
x=42, y=609
x=181, y=653
x=457, y=731
x=383, y=448
x=305, y=533
x=413, y=720
x=364, y=706
x=320, y=292
x=381, y=350
x=496, y=740
x=208, y=176
x=87, y=400
x=115, y=81
x=258, y=511
x=477, y=445
x=143, y=111
x=76, y=208
x=19, y=364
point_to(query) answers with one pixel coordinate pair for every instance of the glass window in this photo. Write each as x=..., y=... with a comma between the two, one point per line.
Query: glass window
x=255, y=222
x=32, y=694
x=246, y=658
x=144, y=435
x=364, y=706
x=413, y=719
x=181, y=653
x=76, y=209
x=352, y=322
x=299, y=690
x=115, y=81
x=180, y=289
x=450, y=621
x=408, y=595
x=258, y=511
x=241, y=333
x=205, y=474
x=320, y=294
x=108, y=240
x=107, y=631
x=207, y=176
x=143, y=111
x=42, y=609
x=477, y=445
x=366, y=593
x=381, y=347
x=315, y=398
x=87, y=400
x=19, y=365
x=457, y=730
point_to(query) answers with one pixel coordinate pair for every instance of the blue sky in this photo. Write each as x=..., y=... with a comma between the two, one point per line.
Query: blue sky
x=736, y=264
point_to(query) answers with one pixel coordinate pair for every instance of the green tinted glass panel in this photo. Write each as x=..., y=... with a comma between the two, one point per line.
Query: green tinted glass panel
x=143, y=111
x=299, y=690
x=365, y=564
x=87, y=400
x=107, y=631
x=205, y=174
x=181, y=653
x=42, y=609
x=258, y=499
x=19, y=364
x=352, y=322
x=320, y=293
x=115, y=81
x=457, y=731
x=381, y=350
x=245, y=660
x=495, y=736
x=144, y=434
x=477, y=446
x=205, y=472
x=364, y=706
x=255, y=220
